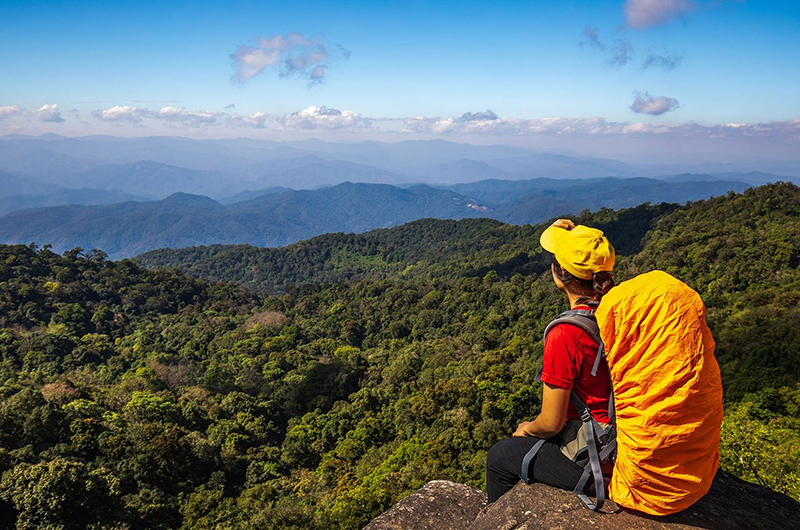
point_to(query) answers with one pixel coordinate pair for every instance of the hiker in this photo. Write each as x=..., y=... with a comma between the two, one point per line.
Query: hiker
x=582, y=262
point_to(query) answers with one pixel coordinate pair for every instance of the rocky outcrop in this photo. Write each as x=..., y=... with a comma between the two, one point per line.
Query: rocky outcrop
x=438, y=505
x=730, y=504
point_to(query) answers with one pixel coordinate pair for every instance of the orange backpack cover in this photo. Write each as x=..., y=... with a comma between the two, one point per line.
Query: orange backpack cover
x=667, y=393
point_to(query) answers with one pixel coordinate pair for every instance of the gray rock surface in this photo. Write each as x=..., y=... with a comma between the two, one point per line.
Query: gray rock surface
x=730, y=504
x=438, y=505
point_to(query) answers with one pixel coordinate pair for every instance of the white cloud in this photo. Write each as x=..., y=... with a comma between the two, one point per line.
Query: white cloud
x=8, y=111
x=48, y=113
x=500, y=126
x=590, y=37
x=122, y=114
x=257, y=120
x=486, y=115
x=621, y=53
x=644, y=103
x=315, y=117
x=521, y=127
x=293, y=55
x=666, y=62
x=643, y=14
x=469, y=124
x=317, y=74
x=168, y=115
x=249, y=61
x=190, y=118
x=560, y=127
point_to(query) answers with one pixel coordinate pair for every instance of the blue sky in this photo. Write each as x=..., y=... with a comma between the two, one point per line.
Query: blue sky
x=711, y=63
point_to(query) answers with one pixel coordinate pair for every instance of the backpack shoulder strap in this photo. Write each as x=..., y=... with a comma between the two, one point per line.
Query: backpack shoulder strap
x=583, y=318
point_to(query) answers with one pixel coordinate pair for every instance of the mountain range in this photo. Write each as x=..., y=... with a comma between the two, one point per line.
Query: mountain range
x=155, y=167
x=130, y=195
x=13, y=184
x=282, y=217
x=62, y=197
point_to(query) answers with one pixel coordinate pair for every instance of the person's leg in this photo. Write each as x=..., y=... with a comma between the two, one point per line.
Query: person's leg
x=550, y=466
x=503, y=464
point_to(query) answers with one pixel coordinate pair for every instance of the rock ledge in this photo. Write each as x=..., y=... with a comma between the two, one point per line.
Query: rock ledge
x=441, y=505
x=438, y=505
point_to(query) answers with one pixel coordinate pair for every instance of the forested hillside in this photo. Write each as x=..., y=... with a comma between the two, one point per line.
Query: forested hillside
x=147, y=399
x=427, y=248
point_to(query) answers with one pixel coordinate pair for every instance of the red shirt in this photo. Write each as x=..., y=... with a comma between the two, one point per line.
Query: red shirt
x=569, y=354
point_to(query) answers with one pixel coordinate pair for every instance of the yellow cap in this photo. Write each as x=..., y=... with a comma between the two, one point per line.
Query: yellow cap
x=582, y=251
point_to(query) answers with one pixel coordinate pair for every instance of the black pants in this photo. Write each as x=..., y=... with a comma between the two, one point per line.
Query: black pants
x=549, y=466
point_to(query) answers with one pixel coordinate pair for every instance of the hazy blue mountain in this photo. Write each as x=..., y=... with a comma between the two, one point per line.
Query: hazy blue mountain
x=11, y=185
x=358, y=206
x=55, y=155
x=309, y=172
x=258, y=164
x=756, y=178
x=155, y=180
x=698, y=177
x=281, y=218
x=265, y=167
x=63, y=197
x=466, y=170
x=128, y=225
x=715, y=167
x=36, y=158
x=410, y=156
x=613, y=193
x=562, y=166
x=248, y=195
x=272, y=220
x=498, y=191
x=513, y=196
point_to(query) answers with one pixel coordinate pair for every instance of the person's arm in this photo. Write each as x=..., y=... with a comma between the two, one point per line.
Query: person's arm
x=551, y=419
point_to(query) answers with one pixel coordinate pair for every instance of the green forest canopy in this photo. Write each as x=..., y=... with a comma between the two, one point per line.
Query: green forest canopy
x=148, y=399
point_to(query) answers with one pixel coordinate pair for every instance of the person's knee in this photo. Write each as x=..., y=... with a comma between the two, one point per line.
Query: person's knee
x=494, y=455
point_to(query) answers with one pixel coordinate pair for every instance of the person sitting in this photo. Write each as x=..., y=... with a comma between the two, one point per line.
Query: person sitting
x=582, y=262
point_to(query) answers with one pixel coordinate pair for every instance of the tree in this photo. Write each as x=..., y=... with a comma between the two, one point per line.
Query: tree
x=62, y=494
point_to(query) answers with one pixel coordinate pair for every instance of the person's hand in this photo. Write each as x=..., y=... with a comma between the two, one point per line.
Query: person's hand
x=566, y=224
x=520, y=432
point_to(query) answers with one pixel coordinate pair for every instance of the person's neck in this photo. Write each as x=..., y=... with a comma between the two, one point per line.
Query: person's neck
x=576, y=300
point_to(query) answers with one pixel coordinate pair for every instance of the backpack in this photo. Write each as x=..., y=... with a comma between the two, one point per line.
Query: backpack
x=666, y=395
